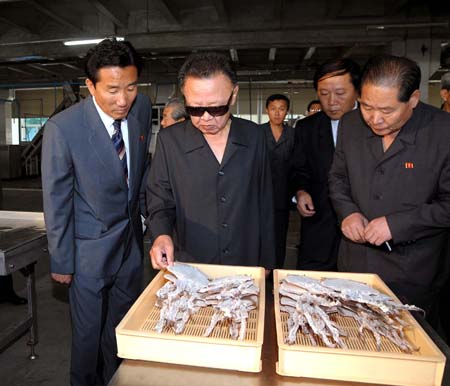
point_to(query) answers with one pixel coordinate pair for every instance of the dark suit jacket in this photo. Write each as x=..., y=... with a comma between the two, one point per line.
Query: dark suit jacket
x=88, y=207
x=223, y=212
x=409, y=184
x=281, y=157
x=313, y=155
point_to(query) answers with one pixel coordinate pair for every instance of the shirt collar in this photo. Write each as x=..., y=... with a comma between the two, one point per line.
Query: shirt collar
x=106, y=119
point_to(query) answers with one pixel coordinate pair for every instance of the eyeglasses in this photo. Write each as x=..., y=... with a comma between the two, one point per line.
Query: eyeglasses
x=215, y=111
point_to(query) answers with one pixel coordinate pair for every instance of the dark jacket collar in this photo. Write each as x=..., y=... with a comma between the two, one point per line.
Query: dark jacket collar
x=409, y=130
x=194, y=138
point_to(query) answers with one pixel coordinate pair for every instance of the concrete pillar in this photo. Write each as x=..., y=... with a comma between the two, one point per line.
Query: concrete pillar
x=426, y=53
x=6, y=97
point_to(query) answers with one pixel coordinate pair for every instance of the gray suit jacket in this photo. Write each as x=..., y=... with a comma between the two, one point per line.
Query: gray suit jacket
x=409, y=184
x=88, y=207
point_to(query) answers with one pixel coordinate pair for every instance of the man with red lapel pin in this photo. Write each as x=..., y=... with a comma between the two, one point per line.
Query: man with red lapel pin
x=94, y=158
x=390, y=183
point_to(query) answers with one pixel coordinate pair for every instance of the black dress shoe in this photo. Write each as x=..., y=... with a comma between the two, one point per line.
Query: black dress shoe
x=13, y=299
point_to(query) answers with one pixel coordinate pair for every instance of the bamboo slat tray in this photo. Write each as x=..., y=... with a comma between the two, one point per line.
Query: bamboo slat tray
x=136, y=338
x=361, y=362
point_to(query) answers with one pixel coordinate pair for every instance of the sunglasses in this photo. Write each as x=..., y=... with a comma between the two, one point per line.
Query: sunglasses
x=215, y=111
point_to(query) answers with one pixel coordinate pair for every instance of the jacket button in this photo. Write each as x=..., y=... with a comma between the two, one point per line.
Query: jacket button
x=225, y=251
x=223, y=199
x=224, y=225
x=221, y=172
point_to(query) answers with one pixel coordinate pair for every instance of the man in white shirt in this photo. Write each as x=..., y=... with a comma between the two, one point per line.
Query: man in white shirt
x=94, y=158
x=337, y=83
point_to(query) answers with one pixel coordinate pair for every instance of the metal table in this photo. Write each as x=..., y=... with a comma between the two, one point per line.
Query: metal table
x=143, y=373
x=22, y=242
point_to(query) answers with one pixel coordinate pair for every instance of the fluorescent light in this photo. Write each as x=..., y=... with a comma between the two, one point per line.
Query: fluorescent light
x=87, y=41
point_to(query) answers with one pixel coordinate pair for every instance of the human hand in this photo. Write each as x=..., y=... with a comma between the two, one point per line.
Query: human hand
x=377, y=231
x=353, y=227
x=62, y=278
x=305, y=204
x=161, y=253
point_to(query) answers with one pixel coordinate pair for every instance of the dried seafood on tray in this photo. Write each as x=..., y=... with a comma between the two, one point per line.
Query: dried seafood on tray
x=310, y=302
x=188, y=289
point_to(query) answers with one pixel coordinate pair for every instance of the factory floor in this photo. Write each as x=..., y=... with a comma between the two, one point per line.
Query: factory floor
x=51, y=368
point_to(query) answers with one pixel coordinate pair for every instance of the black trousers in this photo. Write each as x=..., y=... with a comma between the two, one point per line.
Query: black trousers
x=281, y=227
x=319, y=242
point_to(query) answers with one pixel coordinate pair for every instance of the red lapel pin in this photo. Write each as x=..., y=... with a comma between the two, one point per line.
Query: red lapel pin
x=141, y=138
x=409, y=165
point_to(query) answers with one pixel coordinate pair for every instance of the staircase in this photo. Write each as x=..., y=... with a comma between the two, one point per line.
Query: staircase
x=31, y=154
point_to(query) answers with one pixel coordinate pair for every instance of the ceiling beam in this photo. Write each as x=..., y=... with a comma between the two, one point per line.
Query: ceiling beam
x=212, y=40
x=222, y=13
x=36, y=67
x=112, y=11
x=53, y=15
x=5, y=20
x=19, y=70
x=163, y=8
x=257, y=39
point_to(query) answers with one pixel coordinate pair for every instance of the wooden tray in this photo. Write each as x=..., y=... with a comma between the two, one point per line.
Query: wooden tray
x=136, y=338
x=361, y=362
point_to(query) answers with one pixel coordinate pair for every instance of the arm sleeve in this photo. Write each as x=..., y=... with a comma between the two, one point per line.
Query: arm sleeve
x=300, y=175
x=338, y=181
x=57, y=189
x=161, y=206
x=267, y=225
x=148, y=131
x=427, y=219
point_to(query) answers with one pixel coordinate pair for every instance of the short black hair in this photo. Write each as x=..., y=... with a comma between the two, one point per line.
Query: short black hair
x=313, y=102
x=205, y=65
x=278, y=97
x=389, y=71
x=110, y=53
x=337, y=67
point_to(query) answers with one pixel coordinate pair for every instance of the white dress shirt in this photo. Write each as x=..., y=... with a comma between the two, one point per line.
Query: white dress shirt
x=108, y=122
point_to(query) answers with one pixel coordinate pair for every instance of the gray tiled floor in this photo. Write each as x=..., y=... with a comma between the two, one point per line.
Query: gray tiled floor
x=52, y=366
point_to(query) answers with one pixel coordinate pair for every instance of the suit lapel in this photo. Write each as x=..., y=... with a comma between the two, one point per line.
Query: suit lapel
x=133, y=143
x=236, y=139
x=101, y=143
x=326, y=144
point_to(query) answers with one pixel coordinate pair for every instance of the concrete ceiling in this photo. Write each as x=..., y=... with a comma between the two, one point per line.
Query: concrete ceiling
x=268, y=39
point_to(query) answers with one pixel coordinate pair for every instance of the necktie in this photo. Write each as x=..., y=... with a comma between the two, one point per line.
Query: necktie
x=119, y=145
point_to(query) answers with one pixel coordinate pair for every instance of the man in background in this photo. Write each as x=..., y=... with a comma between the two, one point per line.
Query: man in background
x=337, y=83
x=445, y=92
x=280, y=142
x=390, y=183
x=173, y=112
x=94, y=158
x=313, y=107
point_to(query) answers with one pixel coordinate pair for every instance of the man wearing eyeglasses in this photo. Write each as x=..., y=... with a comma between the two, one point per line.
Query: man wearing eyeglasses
x=210, y=177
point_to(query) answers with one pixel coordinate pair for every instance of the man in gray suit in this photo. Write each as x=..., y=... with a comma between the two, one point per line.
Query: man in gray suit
x=94, y=158
x=390, y=183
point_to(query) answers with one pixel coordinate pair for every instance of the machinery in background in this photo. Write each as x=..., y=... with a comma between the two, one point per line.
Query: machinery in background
x=31, y=154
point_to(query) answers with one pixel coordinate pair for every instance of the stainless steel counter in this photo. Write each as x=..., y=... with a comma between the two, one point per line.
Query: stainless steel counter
x=23, y=242
x=140, y=373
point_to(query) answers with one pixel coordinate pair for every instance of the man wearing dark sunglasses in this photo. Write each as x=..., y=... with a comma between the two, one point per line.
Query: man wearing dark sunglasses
x=210, y=178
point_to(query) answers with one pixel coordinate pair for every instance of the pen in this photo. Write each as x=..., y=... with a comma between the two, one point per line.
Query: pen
x=388, y=246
